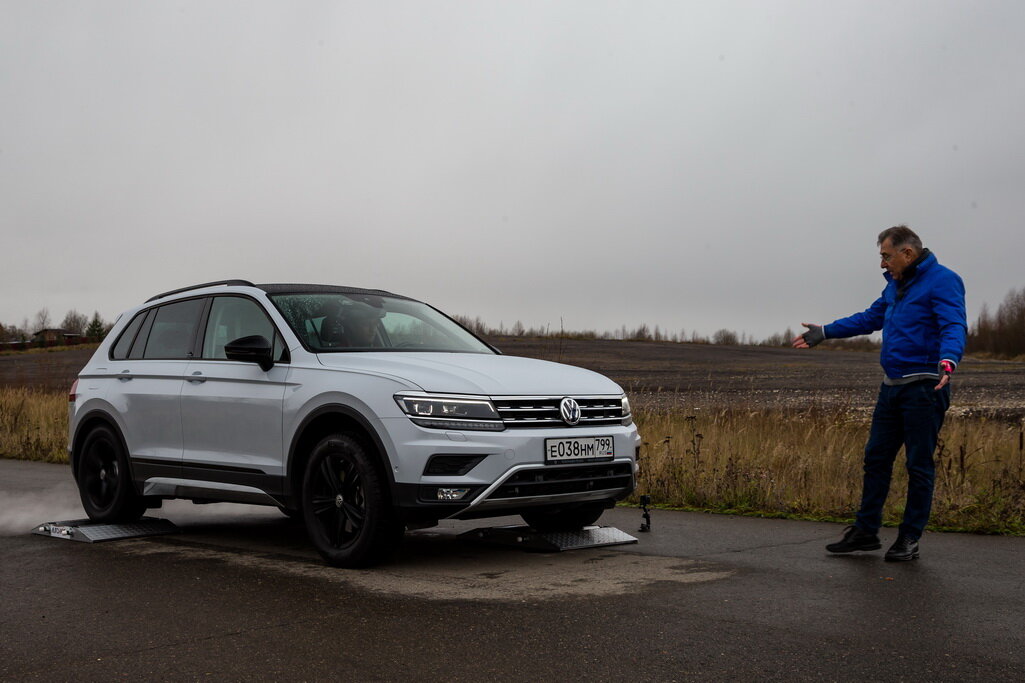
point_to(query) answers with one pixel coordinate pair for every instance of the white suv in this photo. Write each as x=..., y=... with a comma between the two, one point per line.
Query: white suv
x=360, y=411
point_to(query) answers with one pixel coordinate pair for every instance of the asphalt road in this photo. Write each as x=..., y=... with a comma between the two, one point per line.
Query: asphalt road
x=238, y=594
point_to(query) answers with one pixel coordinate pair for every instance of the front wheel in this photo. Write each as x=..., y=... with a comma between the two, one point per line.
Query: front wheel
x=345, y=506
x=104, y=480
x=564, y=519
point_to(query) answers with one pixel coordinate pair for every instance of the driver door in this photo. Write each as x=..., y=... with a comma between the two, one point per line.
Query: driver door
x=231, y=410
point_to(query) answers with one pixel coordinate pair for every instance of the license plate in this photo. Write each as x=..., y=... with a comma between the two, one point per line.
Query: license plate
x=581, y=448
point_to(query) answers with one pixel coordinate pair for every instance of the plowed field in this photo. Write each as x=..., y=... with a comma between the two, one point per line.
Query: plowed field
x=688, y=375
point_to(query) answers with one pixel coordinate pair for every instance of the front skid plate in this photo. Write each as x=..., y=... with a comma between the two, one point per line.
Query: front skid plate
x=550, y=542
x=87, y=531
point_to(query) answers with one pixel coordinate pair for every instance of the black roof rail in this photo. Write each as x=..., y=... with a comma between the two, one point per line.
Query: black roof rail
x=245, y=283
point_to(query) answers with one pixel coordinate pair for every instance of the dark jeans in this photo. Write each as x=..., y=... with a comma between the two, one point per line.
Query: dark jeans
x=908, y=415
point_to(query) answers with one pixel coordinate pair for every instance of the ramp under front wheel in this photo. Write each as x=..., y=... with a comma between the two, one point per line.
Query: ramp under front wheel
x=548, y=541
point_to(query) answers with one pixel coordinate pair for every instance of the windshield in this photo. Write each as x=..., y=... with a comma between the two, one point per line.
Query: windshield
x=336, y=322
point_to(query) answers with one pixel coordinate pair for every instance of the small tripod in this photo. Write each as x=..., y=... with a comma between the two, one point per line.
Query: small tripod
x=646, y=524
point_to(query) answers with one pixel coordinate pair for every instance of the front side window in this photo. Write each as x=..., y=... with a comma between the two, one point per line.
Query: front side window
x=234, y=317
x=174, y=330
x=368, y=322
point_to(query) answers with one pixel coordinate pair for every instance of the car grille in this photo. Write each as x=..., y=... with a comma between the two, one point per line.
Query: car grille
x=525, y=412
x=552, y=481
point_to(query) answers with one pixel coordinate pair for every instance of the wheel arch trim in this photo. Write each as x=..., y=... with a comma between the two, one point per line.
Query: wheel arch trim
x=85, y=424
x=346, y=412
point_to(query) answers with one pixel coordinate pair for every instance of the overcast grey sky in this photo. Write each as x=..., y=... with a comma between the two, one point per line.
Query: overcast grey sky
x=691, y=165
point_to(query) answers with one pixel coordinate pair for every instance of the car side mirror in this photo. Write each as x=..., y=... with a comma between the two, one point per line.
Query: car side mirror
x=253, y=349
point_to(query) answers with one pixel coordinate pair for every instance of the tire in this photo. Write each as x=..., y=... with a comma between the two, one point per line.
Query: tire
x=105, y=480
x=564, y=519
x=345, y=506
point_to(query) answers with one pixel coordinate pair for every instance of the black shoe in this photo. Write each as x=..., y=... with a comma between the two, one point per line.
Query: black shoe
x=855, y=539
x=902, y=550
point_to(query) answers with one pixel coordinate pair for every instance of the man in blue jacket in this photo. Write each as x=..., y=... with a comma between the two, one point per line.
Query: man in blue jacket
x=922, y=315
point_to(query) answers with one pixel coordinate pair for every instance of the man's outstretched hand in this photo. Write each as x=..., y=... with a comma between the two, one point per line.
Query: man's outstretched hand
x=946, y=369
x=811, y=338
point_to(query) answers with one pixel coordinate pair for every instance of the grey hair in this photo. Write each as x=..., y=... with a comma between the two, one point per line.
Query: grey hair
x=901, y=236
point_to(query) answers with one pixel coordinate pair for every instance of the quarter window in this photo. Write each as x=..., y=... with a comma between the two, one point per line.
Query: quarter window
x=124, y=342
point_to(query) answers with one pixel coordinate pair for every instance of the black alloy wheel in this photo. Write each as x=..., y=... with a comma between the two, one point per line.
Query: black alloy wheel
x=338, y=499
x=104, y=480
x=345, y=506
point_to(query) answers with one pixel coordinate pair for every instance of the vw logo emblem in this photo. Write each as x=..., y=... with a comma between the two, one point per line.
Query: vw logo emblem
x=570, y=411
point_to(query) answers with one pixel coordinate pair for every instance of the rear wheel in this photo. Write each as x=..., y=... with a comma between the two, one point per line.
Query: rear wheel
x=345, y=506
x=564, y=519
x=104, y=480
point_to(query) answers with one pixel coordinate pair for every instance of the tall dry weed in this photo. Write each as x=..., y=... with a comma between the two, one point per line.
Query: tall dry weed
x=808, y=463
x=33, y=424
x=772, y=461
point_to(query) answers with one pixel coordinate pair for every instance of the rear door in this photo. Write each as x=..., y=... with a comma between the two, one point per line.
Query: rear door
x=149, y=375
x=231, y=410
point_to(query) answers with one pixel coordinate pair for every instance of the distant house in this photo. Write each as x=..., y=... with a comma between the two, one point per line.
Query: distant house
x=55, y=337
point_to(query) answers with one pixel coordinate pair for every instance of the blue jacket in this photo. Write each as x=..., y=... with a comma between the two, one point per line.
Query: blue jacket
x=922, y=317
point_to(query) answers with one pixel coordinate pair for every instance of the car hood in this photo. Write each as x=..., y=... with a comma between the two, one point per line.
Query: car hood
x=477, y=373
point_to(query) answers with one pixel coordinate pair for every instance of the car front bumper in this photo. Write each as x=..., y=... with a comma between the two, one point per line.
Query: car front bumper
x=512, y=475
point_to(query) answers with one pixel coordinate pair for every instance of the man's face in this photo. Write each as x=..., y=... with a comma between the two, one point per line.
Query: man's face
x=893, y=260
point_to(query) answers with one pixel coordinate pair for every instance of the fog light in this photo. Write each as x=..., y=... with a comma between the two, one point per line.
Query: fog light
x=452, y=494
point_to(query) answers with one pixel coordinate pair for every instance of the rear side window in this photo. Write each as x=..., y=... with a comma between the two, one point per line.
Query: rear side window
x=124, y=342
x=173, y=332
x=233, y=317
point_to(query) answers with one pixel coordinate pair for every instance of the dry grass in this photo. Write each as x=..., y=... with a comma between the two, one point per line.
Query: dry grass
x=33, y=424
x=768, y=461
x=776, y=461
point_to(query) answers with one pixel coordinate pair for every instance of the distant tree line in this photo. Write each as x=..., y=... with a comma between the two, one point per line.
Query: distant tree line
x=648, y=333
x=1000, y=334
x=87, y=329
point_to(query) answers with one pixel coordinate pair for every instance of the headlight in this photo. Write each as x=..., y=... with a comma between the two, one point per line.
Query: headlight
x=627, y=414
x=443, y=412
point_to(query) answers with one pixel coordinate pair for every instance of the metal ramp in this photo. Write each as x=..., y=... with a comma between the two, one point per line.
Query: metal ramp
x=548, y=541
x=87, y=531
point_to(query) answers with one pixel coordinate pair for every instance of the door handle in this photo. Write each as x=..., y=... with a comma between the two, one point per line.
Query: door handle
x=197, y=377
x=125, y=375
